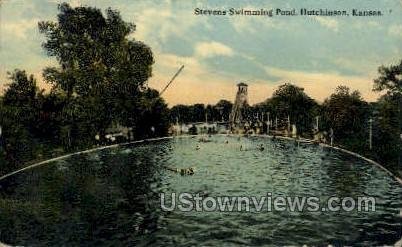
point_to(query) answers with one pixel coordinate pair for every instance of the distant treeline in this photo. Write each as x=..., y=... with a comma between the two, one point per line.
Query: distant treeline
x=201, y=113
x=344, y=111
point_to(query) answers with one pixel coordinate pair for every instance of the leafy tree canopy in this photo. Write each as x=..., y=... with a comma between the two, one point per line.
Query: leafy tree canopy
x=22, y=90
x=291, y=100
x=390, y=79
x=95, y=53
x=346, y=112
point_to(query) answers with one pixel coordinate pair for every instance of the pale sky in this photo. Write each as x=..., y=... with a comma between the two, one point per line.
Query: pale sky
x=316, y=53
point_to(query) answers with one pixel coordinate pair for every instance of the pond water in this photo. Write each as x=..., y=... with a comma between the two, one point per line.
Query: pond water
x=112, y=197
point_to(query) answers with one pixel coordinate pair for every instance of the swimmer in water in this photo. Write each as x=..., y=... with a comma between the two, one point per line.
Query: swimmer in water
x=226, y=141
x=261, y=147
x=197, y=147
x=182, y=171
x=187, y=171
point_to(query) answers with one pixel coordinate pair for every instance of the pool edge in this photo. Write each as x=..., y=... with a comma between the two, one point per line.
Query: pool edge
x=398, y=179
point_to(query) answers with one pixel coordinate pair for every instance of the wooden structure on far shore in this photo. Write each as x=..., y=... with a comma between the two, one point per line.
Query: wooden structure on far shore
x=236, y=118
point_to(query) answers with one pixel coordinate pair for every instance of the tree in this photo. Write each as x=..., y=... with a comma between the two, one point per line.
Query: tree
x=224, y=107
x=389, y=120
x=19, y=112
x=22, y=90
x=290, y=100
x=94, y=52
x=21, y=99
x=197, y=112
x=347, y=114
x=387, y=147
x=101, y=78
x=153, y=115
x=390, y=79
x=102, y=72
x=180, y=113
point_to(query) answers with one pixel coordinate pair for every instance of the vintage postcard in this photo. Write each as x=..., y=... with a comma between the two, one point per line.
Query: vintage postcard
x=200, y=123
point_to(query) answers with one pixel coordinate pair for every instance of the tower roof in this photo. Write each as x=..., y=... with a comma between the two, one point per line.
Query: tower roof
x=242, y=84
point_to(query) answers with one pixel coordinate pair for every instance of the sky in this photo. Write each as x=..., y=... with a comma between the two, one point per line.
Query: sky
x=316, y=53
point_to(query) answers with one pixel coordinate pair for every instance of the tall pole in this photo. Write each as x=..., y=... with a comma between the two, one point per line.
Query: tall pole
x=268, y=124
x=171, y=80
x=316, y=122
x=371, y=133
x=276, y=123
x=1, y=141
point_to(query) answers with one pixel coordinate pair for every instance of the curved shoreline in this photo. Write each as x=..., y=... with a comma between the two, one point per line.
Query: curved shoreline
x=398, y=179
x=79, y=152
x=366, y=159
